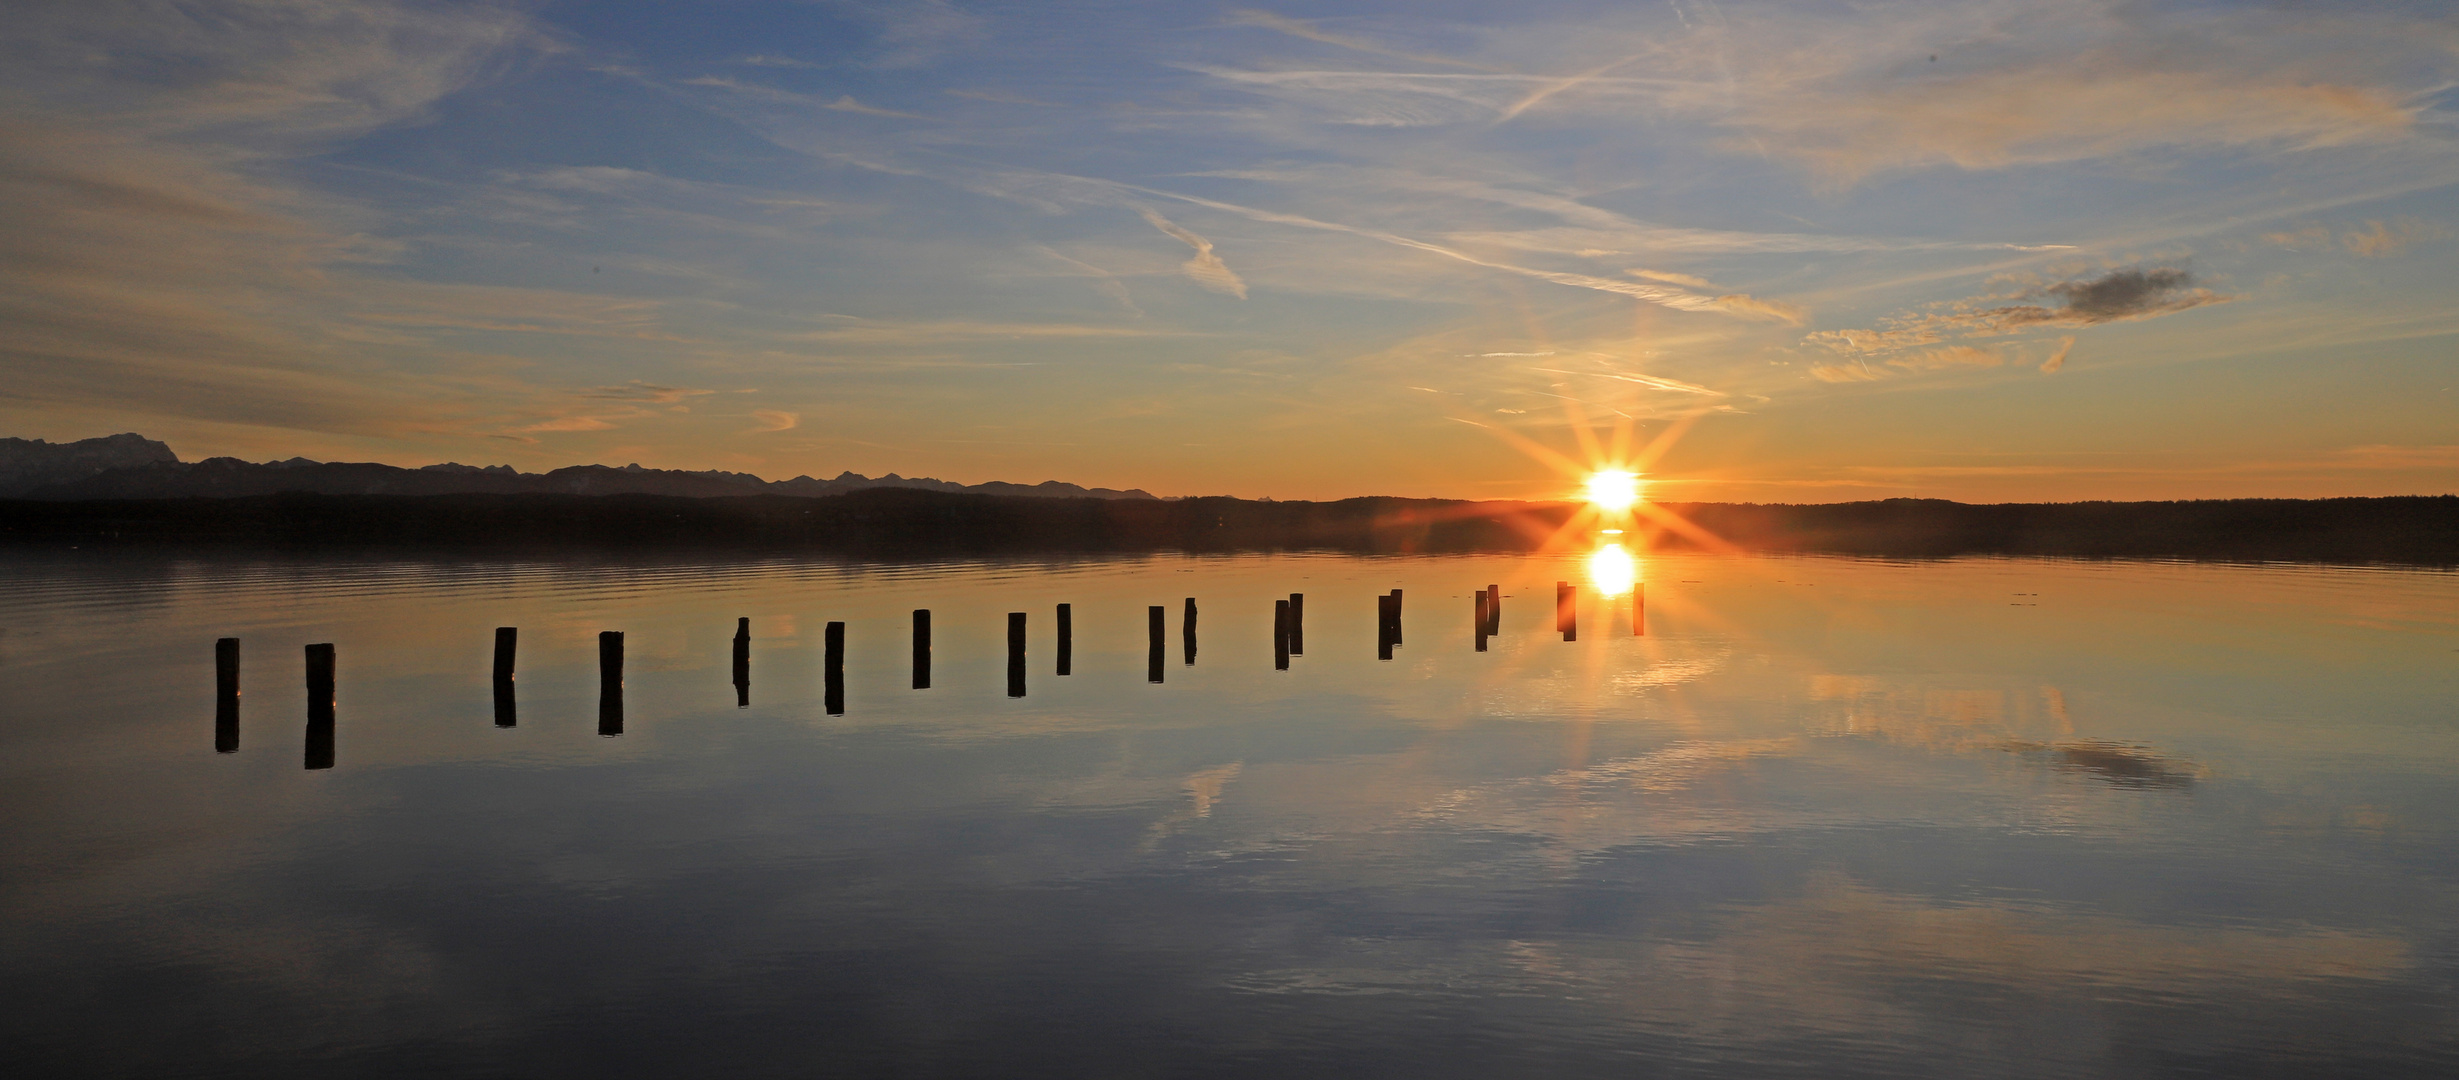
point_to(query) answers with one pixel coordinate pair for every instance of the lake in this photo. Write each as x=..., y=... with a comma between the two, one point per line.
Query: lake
x=1826, y=817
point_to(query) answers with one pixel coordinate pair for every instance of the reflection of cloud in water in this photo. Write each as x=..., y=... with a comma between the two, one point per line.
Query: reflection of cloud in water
x=1959, y=721
x=1203, y=789
x=2126, y=766
x=1670, y=769
x=1545, y=698
x=1843, y=958
x=1600, y=806
x=1848, y=958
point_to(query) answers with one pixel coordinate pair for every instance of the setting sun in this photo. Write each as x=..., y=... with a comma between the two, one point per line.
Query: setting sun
x=1613, y=489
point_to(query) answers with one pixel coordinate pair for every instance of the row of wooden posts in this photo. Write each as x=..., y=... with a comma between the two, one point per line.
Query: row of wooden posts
x=1288, y=640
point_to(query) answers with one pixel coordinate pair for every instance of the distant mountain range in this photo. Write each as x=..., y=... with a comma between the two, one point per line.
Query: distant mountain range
x=131, y=466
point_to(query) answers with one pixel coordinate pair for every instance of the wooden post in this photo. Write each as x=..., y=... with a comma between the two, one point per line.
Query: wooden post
x=320, y=676
x=1480, y=617
x=1639, y=609
x=1280, y=635
x=1297, y=624
x=1186, y=633
x=1567, y=610
x=610, y=683
x=1396, y=638
x=1494, y=610
x=226, y=669
x=320, y=706
x=832, y=668
x=1067, y=637
x=226, y=695
x=1383, y=626
x=610, y=659
x=922, y=648
x=1016, y=654
x=742, y=663
x=1152, y=664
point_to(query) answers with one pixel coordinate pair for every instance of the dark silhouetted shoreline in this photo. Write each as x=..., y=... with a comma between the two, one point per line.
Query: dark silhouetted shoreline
x=899, y=523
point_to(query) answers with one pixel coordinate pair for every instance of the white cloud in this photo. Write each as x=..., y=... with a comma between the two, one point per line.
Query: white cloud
x=1206, y=268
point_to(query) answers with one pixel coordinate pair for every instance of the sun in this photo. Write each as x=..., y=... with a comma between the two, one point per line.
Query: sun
x=1613, y=490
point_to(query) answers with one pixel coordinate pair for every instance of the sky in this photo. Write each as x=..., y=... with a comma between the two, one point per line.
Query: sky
x=1793, y=252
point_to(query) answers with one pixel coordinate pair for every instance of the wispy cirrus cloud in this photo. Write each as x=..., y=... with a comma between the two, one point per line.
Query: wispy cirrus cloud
x=1206, y=268
x=1846, y=97
x=1103, y=281
x=1946, y=357
x=772, y=420
x=2057, y=360
x=1310, y=32
x=1671, y=278
x=2379, y=241
x=1654, y=382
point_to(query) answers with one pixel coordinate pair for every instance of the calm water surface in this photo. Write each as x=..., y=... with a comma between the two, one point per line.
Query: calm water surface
x=1827, y=818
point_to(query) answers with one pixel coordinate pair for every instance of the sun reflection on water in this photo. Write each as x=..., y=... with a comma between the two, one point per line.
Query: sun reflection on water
x=1612, y=570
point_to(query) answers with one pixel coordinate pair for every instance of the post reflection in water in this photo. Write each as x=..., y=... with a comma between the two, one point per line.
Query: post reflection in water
x=742, y=662
x=610, y=683
x=320, y=692
x=832, y=668
x=1016, y=653
x=226, y=696
x=1153, y=648
x=1742, y=846
x=507, y=710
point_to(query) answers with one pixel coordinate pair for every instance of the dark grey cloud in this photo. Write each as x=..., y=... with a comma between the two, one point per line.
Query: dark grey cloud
x=2112, y=297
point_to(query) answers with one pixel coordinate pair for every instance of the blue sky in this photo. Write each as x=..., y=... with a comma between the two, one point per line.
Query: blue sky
x=1818, y=251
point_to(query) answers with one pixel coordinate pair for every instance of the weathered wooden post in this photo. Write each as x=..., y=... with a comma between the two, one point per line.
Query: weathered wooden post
x=320, y=706
x=832, y=668
x=1016, y=654
x=742, y=662
x=1152, y=662
x=506, y=639
x=226, y=695
x=610, y=683
x=1280, y=635
x=1297, y=624
x=922, y=648
x=1186, y=633
x=1067, y=638
x=610, y=659
x=1383, y=626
